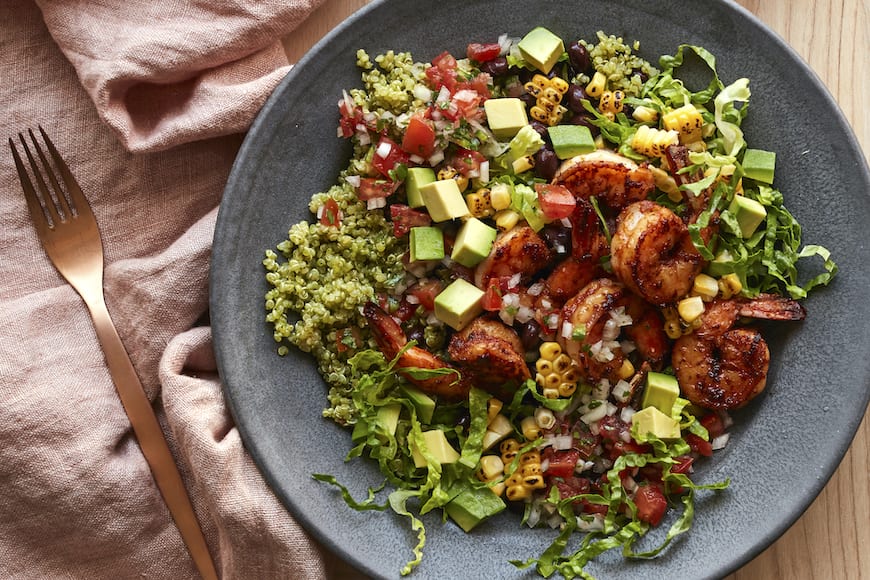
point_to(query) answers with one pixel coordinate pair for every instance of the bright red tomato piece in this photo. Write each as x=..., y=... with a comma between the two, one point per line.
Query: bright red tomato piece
x=713, y=424
x=387, y=155
x=699, y=445
x=556, y=201
x=651, y=504
x=425, y=292
x=404, y=218
x=562, y=463
x=491, y=300
x=442, y=73
x=483, y=52
x=467, y=162
x=419, y=138
x=371, y=187
x=330, y=213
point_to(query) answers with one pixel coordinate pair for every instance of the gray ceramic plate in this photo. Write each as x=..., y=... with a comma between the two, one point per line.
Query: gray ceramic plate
x=784, y=446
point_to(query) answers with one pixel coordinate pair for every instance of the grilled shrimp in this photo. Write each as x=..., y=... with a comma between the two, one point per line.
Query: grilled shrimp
x=721, y=367
x=597, y=355
x=615, y=180
x=652, y=253
x=517, y=251
x=391, y=340
x=492, y=356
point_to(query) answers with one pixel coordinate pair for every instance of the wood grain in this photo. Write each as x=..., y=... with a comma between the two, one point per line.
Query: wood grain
x=830, y=541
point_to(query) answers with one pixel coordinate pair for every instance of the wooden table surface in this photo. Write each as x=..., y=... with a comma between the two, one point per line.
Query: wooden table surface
x=833, y=36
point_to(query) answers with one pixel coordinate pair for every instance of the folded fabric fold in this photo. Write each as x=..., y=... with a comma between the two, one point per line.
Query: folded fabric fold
x=163, y=73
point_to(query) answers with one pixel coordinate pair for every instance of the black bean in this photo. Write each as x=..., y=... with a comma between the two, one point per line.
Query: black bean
x=574, y=97
x=586, y=120
x=528, y=100
x=530, y=334
x=546, y=163
x=558, y=237
x=497, y=67
x=578, y=57
x=541, y=129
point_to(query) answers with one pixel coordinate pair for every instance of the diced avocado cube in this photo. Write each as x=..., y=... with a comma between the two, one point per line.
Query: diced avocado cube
x=651, y=421
x=571, y=140
x=473, y=243
x=541, y=48
x=661, y=392
x=423, y=403
x=437, y=444
x=459, y=304
x=361, y=430
x=721, y=264
x=505, y=117
x=388, y=417
x=426, y=243
x=417, y=178
x=759, y=165
x=749, y=214
x=470, y=506
x=443, y=200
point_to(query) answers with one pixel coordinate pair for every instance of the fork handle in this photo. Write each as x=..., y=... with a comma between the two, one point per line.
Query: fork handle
x=151, y=438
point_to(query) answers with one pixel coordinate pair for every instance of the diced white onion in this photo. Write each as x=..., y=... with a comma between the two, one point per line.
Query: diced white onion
x=566, y=222
x=601, y=391
x=504, y=42
x=622, y=392
x=627, y=346
x=629, y=484
x=422, y=92
x=545, y=465
x=721, y=441
x=567, y=329
x=595, y=414
x=416, y=159
x=524, y=314
x=412, y=299
x=436, y=158
x=363, y=138
x=590, y=523
x=627, y=413
x=514, y=280
x=376, y=203
x=484, y=171
x=536, y=289
x=383, y=149
x=544, y=418
x=534, y=515
x=611, y=409
x=353, y=180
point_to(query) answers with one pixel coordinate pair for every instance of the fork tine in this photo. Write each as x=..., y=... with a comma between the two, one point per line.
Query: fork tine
x=77, y=197
x=40, y=183
x=33, y=204
x=58, y=191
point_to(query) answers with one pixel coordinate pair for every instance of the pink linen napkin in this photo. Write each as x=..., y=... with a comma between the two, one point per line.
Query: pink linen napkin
x=145, y=101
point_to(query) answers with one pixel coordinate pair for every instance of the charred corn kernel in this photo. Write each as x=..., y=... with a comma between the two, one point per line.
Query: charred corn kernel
x=530, y=457
x=461, y=181
x=738, y=189
x=499, y=428
x=571, y=375
x=653, y=142
x=517, y=492
x=509, y=449
x=491, y=467
x=497, y=488
x=530, y=428
x=493, y=408
x=480, y=203
x=552, y=381
x=666, y=183
x=643, y=114
x=500, y=196
x=534, y=481
x=506, y=219
x=673, y=328
x=550, y=350
x=626, y=371
x=446, y=173
x=687, y=121
x=597, y=85
x=729, y=285
x=550, y=393
x=707, y=287
x=690, y=308
x=566, y=389
x=545, y=418
x=544, y=366
x=611, y=103
x=562, y=364
x=523, y=164
x=548, y=93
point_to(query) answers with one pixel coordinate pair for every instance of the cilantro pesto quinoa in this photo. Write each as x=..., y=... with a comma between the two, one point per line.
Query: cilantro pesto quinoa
x=531, y=286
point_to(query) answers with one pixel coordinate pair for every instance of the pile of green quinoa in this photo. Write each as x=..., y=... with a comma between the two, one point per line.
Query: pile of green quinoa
x=321, y=275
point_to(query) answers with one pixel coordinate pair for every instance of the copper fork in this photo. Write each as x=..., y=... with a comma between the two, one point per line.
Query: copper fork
x=69, y=234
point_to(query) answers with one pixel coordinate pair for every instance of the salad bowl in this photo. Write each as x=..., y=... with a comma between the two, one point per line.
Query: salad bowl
x=784, y=446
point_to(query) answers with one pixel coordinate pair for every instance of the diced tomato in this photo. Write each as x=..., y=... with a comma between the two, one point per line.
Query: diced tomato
x=683, y=465
x=483, y=52
x=466, y=161
x=619, y=447
x=442, y=73
x=651, y=504
x=479, y=84
x=387, y=162
x=404, y=218
x=610, y=428
x=562, y=462
x=698, y=445
x=713, y=424
x=370, y=188
x=425, y=292
x=419, y=137
x=556, y=201
x=491, y=300
x=467, y=103
x=330, y=213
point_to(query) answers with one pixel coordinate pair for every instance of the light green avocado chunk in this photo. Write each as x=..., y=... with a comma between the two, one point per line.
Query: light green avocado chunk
x=471, y=505
x=437, y=444
x=721, y=264
x=661, y=392
x=458, y=304
x=651, y=421
x=417, y=178
x=386, y=420
x=473, y=243
x=749, y=214
x=423, y=403
x=443, y=200
x=426, y=243
x=759, y=165
x=505, y=116
x=541, y=48
x=571, y=140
